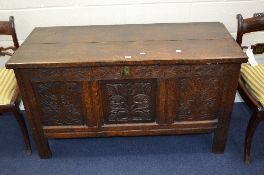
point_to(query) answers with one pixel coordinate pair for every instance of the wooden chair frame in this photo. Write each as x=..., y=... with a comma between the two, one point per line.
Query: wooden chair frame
x=8, y=28
x=254, y=24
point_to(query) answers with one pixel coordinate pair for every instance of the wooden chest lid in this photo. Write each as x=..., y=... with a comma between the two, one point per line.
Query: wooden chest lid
x=134, y=44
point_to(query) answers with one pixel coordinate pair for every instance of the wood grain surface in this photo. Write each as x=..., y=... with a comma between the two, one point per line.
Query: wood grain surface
x=127, y=44
x=128, y=80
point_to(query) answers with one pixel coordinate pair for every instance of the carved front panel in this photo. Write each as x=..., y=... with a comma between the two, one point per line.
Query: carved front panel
x=129, y=101
x=199, y=98
x=60, y=103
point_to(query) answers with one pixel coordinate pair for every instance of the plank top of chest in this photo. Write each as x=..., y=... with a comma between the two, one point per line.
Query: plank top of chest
x=127, y=44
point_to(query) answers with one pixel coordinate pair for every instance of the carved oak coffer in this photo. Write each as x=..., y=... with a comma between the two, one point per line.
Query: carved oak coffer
x=128, y=80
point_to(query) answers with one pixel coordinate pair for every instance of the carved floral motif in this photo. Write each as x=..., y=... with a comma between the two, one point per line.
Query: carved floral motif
x=129, y=102
x=60, y=103
x=199, y=98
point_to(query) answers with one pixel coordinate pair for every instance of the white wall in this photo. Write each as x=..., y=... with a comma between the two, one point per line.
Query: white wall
x=32, y=13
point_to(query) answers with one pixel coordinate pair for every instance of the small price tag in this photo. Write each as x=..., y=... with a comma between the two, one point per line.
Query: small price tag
x=251, y=58
x=178, y=51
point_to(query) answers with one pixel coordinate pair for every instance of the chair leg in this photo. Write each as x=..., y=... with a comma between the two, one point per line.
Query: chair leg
x=22, y=125
x=252, y=125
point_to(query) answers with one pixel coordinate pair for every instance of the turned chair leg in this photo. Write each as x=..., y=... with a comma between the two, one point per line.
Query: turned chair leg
x=20, y=119
x=252, y=125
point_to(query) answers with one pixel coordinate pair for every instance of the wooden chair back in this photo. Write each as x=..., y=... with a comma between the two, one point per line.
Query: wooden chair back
x=8, y=28
x=254, y=24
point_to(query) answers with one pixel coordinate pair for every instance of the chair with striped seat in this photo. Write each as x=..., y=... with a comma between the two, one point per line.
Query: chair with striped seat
x=9, y=92
x=251, y=81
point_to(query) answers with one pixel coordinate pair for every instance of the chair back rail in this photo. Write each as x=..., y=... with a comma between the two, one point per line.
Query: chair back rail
x=8, y=28
x=249, y=25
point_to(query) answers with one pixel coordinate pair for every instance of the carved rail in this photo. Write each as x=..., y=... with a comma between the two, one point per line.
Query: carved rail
x=5, y=51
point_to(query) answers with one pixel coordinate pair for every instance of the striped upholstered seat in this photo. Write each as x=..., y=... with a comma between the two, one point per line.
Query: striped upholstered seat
x=7, y=85
x=254, y=77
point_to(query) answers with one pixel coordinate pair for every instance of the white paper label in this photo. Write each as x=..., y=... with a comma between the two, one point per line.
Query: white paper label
x=178, y=51
x=251, y=58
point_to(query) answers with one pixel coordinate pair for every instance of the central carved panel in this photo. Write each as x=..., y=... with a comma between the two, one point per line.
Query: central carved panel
x=199, y=98
x=129, y=101
x=60, y=103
